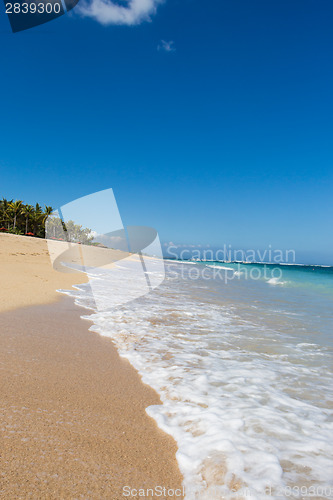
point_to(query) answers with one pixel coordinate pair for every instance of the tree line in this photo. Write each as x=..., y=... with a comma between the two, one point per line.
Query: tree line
x=20, y=218
x=17, y=217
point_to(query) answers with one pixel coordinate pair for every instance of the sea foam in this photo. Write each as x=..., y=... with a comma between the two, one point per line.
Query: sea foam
x=247, y=401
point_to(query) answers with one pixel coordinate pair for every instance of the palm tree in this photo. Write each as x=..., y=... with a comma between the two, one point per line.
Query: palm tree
x=5, y=209
x=37, y=218
x=2, y=211
x=20, y=217
x=44, y=216
x=27, y=211
x=47, y=212
x=38, y=208
x=16, y=209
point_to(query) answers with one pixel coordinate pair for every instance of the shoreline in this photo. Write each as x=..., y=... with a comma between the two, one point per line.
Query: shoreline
x=74, y=421
x=73, y=412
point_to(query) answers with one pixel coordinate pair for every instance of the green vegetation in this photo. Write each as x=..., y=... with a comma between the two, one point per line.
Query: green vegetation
x=17, y=217
x=57, y=230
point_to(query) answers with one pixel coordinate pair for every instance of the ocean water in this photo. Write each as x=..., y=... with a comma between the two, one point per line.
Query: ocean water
x=242, y=357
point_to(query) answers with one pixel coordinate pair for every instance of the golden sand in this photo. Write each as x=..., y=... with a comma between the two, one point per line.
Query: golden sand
x=27, y=275
x=73, y=422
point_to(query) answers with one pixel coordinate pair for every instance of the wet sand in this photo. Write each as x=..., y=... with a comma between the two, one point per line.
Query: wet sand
x=73, y=422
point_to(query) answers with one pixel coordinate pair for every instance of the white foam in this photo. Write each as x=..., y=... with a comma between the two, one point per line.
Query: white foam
x=247, y=407
x=238, y=273
x=221, y=267
x=276, y=281
x=174, y=261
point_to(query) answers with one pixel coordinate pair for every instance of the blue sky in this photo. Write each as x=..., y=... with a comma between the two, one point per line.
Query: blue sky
x=226, y=138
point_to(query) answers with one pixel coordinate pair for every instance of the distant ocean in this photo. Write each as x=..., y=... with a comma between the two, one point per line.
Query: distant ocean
x=242, y=357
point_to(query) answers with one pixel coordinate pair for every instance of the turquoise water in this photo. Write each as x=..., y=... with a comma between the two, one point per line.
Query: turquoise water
x=304, y=291
x=317, y=278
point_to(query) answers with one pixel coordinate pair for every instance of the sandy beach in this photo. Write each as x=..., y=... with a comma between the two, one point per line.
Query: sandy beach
x=73, y=421
x=27, y=276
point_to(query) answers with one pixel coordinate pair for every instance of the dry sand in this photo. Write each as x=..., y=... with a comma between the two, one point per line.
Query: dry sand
x=27, y=276
x=73, y=422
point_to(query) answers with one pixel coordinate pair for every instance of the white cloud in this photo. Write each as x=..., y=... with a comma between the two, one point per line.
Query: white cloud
x=108, y=12
x=167, y=46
